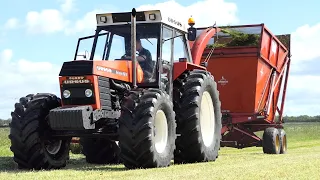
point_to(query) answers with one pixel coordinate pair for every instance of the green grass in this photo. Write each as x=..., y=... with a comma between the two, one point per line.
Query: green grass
x=302, y=161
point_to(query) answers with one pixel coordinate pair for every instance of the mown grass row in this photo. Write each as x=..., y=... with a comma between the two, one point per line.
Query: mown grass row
x=301, y=162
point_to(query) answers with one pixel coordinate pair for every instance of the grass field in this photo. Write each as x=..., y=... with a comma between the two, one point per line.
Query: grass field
x=302, y=161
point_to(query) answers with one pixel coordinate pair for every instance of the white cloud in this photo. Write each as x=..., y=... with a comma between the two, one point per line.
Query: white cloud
x=303, y=90
x=303, y=95
x=67, y=6
x=12, y=23
x=86, y=23
x=5, y=56
x=46, y=21
x=22, y=77
x=305, y=43
x=204, y=12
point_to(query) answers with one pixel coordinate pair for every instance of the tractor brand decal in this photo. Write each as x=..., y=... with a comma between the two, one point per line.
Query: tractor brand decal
x=109, y=70
x=173, y=21
x=223, y=81
x=76, y=80
x=99, y=68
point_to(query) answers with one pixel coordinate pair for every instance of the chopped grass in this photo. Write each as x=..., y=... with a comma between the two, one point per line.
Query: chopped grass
x=302, y=161
x=235, y=39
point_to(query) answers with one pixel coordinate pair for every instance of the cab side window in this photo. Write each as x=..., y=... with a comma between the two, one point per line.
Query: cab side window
x=180, y=50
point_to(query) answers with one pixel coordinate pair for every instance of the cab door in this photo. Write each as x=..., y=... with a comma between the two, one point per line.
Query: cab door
x=166, y=60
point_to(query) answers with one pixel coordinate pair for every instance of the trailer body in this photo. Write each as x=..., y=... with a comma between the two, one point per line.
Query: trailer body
x=252, y=82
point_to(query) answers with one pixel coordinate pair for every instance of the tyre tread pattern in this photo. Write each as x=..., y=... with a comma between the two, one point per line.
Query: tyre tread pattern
x=187, y=91
x=135, y=132
x=268, y=140
x=26, y=130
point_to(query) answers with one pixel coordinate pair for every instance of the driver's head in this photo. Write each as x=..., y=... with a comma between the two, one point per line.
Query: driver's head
x=138, y=44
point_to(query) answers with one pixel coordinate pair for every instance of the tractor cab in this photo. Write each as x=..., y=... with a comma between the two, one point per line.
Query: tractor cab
x=160, y=41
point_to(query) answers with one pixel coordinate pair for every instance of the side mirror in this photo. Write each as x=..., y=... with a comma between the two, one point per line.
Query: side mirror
x=192, y=34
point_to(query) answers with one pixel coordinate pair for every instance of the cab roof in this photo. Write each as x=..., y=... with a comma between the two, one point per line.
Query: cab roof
x=151, y=16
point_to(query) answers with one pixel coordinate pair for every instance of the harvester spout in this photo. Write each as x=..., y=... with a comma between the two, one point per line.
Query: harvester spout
x=133, y=47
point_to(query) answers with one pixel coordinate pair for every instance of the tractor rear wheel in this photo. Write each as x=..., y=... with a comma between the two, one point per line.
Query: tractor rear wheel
x=100, y=150
x=147, y=129
x=198, y=110
x=283, y=141
x=31, y=148
x=271, y=141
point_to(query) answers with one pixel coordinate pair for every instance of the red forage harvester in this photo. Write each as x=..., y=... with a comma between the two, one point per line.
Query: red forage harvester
x=251, y=79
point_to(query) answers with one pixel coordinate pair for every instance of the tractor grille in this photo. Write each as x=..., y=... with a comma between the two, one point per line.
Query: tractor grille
x=77, y=96
x=105, y=95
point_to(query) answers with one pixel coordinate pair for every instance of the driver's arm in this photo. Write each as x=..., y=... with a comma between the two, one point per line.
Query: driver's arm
x=141, y=58
x=146, y=55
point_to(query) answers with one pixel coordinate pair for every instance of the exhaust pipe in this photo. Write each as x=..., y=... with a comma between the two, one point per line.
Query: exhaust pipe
x=133, y=47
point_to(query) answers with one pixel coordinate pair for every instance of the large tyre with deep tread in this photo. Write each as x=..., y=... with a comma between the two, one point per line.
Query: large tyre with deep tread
x=29, y=124
x=100, y=150
x=147, y=129
x=198, y=117
x=271, y=141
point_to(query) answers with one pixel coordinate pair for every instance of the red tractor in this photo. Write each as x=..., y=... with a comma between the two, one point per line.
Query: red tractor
x=142, y=109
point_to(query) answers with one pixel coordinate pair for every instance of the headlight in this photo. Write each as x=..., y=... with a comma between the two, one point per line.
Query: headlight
x=88, y=92
x=103, y=19
x=66, y=93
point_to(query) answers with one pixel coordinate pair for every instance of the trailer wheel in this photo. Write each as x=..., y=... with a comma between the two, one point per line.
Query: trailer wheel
x=198, y=110
x=147, y=130
x=271, y=141
x=75, y=148
x=100, y=150
x=32, y=149
x=283, y=141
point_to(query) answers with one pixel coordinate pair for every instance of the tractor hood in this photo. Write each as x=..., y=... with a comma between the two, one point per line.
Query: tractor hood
x=119, y=69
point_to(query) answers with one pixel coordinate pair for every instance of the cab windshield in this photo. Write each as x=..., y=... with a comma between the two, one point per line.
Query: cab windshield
x=114, y=43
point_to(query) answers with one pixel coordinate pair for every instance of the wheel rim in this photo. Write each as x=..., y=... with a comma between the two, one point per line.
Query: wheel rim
x=53, y=147
x=207, y=119
x=284, y=143
x=161, y=131
x=277, y=143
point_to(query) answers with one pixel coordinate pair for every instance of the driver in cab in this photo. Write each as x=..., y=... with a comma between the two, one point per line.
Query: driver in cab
x=144, y=58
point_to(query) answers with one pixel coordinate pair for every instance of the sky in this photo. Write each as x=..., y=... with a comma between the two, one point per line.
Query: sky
x=37, y=36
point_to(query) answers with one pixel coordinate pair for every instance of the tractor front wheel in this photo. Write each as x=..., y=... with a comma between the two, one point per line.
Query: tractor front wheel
x=197, y=106
x=147, y=130
x=31, y=148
